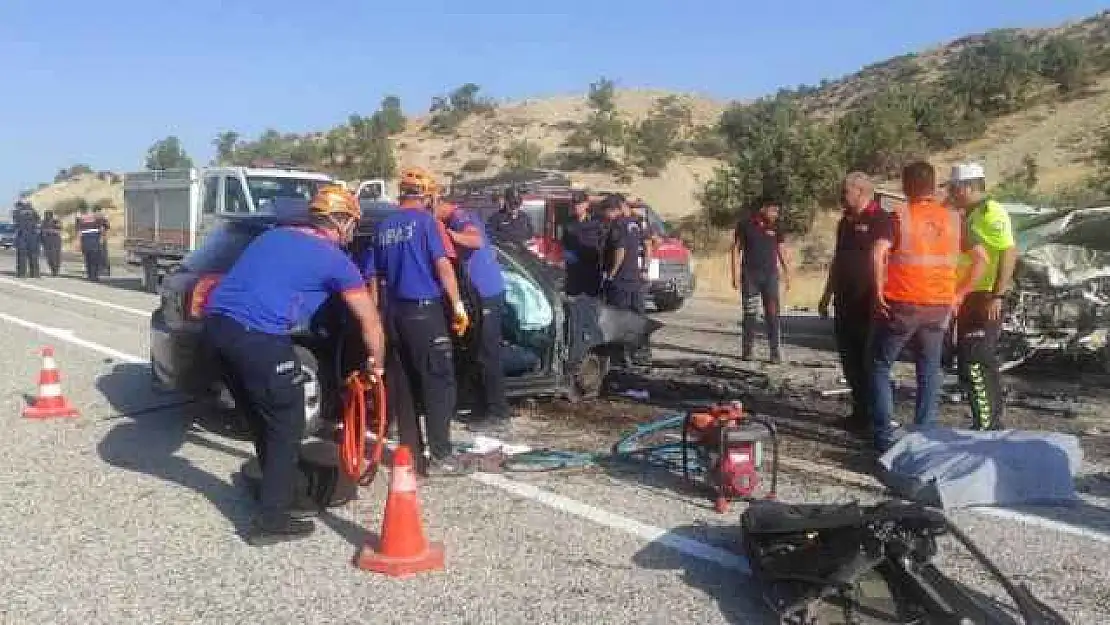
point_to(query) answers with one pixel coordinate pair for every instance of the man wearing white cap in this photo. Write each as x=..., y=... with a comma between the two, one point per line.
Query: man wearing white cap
x=979, y=322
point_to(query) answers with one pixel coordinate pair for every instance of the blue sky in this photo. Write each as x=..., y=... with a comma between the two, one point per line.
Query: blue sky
x=98, y=82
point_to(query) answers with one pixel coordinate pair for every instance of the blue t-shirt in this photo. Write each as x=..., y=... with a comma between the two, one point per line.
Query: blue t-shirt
x=282, y=279
x=481, y=264
x=368, y=262
x=406, y=249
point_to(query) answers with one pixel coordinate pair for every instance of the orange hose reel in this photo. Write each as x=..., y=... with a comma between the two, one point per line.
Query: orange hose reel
x=352, y=445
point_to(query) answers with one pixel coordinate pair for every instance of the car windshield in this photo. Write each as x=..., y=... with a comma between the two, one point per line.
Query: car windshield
x=265, y=189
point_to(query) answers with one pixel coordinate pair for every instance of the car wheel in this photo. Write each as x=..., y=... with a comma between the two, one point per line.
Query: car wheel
x=588, y=379
x=316, y=404
x=668, y=302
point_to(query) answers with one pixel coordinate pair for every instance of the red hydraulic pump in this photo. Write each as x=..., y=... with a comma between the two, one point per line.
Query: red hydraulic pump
x=729, y=442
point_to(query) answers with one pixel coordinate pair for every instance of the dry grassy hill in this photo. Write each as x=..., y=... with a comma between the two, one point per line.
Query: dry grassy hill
x=1058, y=132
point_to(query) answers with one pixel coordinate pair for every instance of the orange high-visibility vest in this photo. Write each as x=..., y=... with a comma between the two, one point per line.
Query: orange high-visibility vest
x=921, y=267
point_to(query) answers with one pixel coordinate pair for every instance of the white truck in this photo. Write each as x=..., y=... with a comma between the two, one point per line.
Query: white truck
x=167, y=213
x=375, y=189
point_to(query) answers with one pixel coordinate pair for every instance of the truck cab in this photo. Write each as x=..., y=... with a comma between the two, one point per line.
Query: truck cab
x=168, y=213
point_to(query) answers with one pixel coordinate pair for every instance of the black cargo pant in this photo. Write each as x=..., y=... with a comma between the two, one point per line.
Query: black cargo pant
x=27, y=254
x=492, y=399
x=630, y=296
x=977, y=350
x=90, y=249
x=420, y=369
x=852, y=326
x=105, y=267
x=52, y=249
x=756, y=286
x=263, y=375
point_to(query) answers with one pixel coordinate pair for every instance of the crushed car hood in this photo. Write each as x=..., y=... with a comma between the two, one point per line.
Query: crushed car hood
x=624, y=326
x=1067, y=249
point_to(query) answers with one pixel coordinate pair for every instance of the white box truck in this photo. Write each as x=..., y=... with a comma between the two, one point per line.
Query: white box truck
x=167, y=213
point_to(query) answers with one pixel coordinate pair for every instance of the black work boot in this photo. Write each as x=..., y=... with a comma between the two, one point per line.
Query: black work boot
x=303, y=506
x=451, y=465
x=271, y=530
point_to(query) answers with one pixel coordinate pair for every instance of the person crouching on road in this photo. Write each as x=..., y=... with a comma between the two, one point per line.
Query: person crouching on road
x=480, y=259
x=583, y=240
x=917, y=291
x=279, y=282
x=851, y=291
x=757, y=268
x=979, y=323
x=414, y=274
x=89, y=232
x=52, y=242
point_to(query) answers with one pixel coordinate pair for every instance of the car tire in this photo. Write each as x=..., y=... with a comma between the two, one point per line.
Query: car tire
x=588, y=377
x=317, y=400
x=668, y=302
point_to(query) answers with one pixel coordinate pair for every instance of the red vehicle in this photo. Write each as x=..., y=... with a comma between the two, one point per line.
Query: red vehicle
x=546, y=201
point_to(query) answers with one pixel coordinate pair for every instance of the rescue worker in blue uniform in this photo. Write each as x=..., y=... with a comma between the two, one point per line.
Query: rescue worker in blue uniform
x=52, y=242
x=583, y=240
x=27, y=223
x=622, y=281
x=414, y=275
x=278, y=283
x=510, y=224
x=89, y=232
x=479, y=258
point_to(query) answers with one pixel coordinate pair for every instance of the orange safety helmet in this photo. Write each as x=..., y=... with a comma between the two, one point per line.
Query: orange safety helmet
x=417, y=181
x=334, y=199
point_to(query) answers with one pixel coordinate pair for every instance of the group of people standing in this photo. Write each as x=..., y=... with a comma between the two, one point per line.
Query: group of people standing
x=910, y=278
x=34, y=233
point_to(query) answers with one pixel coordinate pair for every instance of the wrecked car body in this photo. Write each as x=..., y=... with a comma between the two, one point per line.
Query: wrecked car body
x=1060, y=302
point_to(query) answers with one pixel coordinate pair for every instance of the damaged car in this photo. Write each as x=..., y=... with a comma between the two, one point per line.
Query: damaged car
x=553, y=345
x=1060, y=302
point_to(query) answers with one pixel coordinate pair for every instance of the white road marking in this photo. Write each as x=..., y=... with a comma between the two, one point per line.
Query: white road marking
x=77, y=298
x=649, y=533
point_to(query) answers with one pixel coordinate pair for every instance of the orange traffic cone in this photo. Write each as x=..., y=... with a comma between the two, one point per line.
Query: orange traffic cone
x=402, y=549
x=50, y=402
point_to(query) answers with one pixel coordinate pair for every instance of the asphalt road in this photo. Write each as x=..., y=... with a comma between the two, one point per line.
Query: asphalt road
x=130, y=514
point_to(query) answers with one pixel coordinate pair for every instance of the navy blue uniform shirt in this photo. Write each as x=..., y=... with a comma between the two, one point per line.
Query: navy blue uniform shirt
x=851, y=265
x=481, y=264
x=407, y=246
x=505, y=226
x=760, y=243
x=625, y=233
x=282, y=279
x=583, y=242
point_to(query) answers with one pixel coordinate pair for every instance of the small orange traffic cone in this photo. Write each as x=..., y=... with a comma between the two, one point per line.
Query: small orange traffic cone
x=50, y=402
x=402, y=549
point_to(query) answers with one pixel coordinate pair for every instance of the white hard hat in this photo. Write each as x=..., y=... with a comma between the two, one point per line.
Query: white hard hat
x=967, y=171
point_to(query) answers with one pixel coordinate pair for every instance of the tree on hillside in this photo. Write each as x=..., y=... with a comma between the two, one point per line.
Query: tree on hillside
x=882, y=135
x=1019, y=185
x=167, y=154
x=1063, y=61
x=523, y=155
x=68, y=173
x=368, y=149
x=450, y=111
x=603, y=129
x=994, y=74
x=390, y=115
x=657, y=138
x=225, y=144
x=774, y=150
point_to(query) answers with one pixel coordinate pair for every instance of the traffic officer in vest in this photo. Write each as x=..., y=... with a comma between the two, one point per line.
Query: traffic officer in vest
x=979, y=322
x=277, y=284
x=510, y=224
x=479, y=258
x=917, y=292
x=52, y=242
x=415, y=277
x=27, y=223
x=89, y=232
x=622, y=280
x=582, y=241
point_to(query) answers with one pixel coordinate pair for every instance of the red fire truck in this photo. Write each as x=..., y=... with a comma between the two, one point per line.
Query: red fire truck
x=546, y=200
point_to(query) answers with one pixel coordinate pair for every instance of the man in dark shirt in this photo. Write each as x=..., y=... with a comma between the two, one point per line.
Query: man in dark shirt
x=758, y=266
x=852, y=292
x=622, y=283
x=582, y=242
x=510, y=224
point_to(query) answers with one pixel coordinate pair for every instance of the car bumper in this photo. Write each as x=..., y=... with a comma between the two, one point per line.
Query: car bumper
x=178, y=360
x=680, y=286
